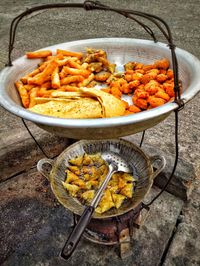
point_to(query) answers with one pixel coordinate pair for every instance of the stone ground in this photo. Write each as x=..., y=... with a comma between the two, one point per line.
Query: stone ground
x=33, y=225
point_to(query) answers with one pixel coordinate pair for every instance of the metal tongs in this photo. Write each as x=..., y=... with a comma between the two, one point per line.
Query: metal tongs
x=115, y=164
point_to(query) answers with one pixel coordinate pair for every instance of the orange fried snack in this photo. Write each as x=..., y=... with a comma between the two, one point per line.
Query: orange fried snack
x=38, y=54
x=23, y=94
x=70, y=53
x=43, y=76
x=149, y=85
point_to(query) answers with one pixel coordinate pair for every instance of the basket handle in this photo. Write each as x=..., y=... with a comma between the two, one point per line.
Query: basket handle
x=161, y=164
x=44, y=167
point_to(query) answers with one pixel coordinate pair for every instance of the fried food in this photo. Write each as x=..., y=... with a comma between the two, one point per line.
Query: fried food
x=149, y=85
x=38, y=54
x=77, y=108
x=86, y=173
x=111, y=106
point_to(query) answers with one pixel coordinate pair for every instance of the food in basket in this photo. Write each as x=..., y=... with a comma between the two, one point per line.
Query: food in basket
x=148, y=86
x=86, y=173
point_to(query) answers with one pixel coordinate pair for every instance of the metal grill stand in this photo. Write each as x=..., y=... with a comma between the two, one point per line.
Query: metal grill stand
x=124, y=234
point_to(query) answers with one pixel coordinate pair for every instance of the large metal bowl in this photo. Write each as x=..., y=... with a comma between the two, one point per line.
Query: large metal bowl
x=120, y=51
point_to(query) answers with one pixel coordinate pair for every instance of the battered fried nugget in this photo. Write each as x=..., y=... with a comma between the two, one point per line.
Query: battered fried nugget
x=74, y=169
x=141, y=103
x=162, y=94
x=118, y=199
x=102, y=76
x=80, y=183
x=127, y=190
x=71, y=177
x=163, y=63
x=77, y=160
x=88, y=195
x=106, y=202
x=73, y=189
x=155, y=102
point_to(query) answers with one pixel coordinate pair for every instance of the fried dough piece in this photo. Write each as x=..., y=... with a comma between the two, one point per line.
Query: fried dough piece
x=73, y=189
x=127, y=190
x=71, y=177
x=88, y=195
x=106, y=202
x=80, y=108
x=118, y=199
x=77, y=161
x=110, y=104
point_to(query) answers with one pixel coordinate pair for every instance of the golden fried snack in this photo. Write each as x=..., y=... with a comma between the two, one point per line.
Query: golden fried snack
x=55, y=79
x=38, y=54
x=68, y=71
x=43, y=76
x=92, y=170
x=70, y=53
x=23, y=93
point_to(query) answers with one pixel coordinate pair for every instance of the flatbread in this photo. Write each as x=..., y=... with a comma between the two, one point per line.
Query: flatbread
x=79, y=108
x=110, y=104
x=67, y=94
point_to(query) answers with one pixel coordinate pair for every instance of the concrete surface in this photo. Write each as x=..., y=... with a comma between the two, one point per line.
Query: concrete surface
x=18, y=152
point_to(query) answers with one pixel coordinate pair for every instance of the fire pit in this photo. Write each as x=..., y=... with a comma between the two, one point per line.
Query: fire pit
x=118, y=230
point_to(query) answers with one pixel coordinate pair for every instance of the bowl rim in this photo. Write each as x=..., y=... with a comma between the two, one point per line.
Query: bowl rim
x=14, y=108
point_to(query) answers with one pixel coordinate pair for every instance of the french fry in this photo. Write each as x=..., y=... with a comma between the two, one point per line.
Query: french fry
x=55, y=79
x=42, y=66
x=23, y=94
x=74, y=64
x=72, y=71
x=62, y=73
x=69, y=88
x=38, y=54
x=44, y=92
x=63, y=62
x=28, y=87
x=85, y=82
x=71, y=79
x=69, y=53
x=84, y=65
x=31, y=74
x=47, y=85
x=43, y=76
x=33, y=94
x=51, y=57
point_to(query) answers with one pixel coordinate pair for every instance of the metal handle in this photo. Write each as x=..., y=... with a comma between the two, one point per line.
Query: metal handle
x=86, y=216
x=44, y=167
x=77, y=232
x=161, y=165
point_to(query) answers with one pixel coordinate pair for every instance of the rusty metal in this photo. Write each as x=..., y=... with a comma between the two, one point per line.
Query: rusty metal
x=107, y=231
